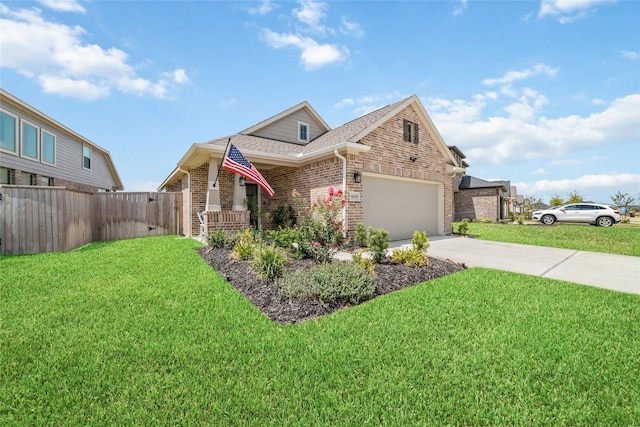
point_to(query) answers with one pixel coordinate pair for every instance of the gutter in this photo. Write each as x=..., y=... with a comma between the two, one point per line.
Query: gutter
x=344, y=191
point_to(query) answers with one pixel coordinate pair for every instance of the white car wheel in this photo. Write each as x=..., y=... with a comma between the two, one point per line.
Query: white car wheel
x=548, y=219
x=604, y=221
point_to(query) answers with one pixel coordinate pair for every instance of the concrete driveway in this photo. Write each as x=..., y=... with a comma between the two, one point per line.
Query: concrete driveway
x=615, y=272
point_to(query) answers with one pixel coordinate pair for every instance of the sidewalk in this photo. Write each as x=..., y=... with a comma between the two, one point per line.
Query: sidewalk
x=614, y=272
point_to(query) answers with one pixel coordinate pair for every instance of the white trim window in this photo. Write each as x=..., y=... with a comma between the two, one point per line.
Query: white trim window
x=8, y=132
x=86, y=157
x=5, y=176
x=48, y=150
x=30, y=141
x=303, y=132
x=410, y=131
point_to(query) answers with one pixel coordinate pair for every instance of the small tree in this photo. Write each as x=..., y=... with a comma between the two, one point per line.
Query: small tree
x=574, y=197
x=530, y=203
x=622, y=200
x=556, y=200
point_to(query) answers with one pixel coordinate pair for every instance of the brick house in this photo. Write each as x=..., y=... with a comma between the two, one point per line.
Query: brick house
x=395, y=169
x=476, y=198
x=37, y=150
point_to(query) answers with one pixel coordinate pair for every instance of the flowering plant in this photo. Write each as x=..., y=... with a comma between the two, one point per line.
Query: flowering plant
x=320, y=224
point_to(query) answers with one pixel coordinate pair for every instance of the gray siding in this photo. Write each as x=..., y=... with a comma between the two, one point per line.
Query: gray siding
x=286, y=129
x=68, y=157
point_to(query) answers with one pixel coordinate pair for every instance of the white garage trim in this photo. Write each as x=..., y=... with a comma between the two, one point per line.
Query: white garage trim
x=402, y=209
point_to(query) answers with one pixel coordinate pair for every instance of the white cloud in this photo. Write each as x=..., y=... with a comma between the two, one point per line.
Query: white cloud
x=141, y=185
x=347, y=27
x=522, y=135
x=612, y=181
x=628, y=54
x=312, y=54
x=516, y=75
x=63, y=5
x=55, y=55
x=265, y=7
x=311, y=13
x=540, y=171
x=567, y=11
x=460, y=8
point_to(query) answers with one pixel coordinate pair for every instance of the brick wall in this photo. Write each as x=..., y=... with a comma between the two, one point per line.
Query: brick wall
x=477, y=203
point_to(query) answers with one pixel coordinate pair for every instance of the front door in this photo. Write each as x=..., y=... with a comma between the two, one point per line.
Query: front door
x=252, y=203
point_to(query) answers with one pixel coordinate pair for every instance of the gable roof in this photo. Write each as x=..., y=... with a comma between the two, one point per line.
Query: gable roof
x=302, y=106
x=265, y=152
x=20, y=104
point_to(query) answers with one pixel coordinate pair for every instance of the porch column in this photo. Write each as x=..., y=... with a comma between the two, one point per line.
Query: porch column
x=239, y=194
x=213, y=193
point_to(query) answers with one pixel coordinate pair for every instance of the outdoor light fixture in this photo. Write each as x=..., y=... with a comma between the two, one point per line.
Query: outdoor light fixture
x=413, y=158
x=357, y=177
x=243, y=181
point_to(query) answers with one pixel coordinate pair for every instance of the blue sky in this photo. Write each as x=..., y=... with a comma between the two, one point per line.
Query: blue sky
x=545, y=94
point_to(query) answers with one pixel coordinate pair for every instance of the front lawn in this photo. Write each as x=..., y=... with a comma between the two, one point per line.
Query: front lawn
x=144, y=332
x=617, y=240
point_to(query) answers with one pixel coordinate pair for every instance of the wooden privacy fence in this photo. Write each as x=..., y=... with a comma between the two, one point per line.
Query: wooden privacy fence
x=55, y=219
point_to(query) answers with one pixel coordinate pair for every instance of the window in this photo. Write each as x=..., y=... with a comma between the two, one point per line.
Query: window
x=28, y=179
x=5, y=176
x=303, y=132
x=30, y=143
x=86, y=153
x=46, y=181
x=410, y=131
x=8, y=134
x=48, y=148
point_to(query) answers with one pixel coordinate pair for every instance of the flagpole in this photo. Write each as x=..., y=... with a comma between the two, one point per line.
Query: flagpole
x=222, y=160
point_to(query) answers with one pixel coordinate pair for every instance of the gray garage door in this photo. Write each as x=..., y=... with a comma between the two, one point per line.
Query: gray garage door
x=400, y=206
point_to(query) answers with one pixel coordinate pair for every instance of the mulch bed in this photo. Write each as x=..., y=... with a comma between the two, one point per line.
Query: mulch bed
x=264, y=295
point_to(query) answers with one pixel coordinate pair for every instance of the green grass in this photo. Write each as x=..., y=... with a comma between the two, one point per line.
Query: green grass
x=614, y=240
x=142, y=332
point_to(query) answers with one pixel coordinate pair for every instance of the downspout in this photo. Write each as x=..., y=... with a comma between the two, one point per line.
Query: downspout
x=344, y=191
x=189, y=199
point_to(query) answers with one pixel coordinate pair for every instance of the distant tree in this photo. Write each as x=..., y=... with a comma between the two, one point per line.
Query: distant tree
x=556, y=200
x=621, y=200
x=530, y=203
x=574, y=197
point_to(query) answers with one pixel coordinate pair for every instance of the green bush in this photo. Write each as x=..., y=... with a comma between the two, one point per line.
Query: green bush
x=463, y=227
x=486, y=220
x=379, y=243
x=245, y=244
x=336, y=282
x=412, y=257
x=219, y=239
x=362, y=235
x=366, y=263
x=420, y=240
x=268, y=262
x=283, y=217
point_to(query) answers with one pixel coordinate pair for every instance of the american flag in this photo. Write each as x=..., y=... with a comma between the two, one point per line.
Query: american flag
x=236, y=162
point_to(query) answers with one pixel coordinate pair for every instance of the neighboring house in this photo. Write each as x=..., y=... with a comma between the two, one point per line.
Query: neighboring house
x=37, y=150
x=476, y=198
x=392, y=163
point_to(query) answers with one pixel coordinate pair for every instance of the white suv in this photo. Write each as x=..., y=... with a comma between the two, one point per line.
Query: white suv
x=592, y=213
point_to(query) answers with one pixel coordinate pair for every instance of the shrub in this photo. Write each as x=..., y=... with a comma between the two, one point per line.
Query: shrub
x=486, y=220
x=219, y=239
x=362, y=235
x=379, y=243
x=283, y=217
x=337, y=282
x=420, y=240
x=366, y=263
x=463, y=227
x=245, y=245
x=320, y=225
x=412, y=257
x=268, y=262
x=289, y=239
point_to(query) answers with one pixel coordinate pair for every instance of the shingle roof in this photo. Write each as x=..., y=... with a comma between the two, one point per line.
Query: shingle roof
x=469, y=181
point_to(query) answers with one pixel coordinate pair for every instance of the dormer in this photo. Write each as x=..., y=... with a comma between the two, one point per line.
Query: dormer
x=297, y=125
